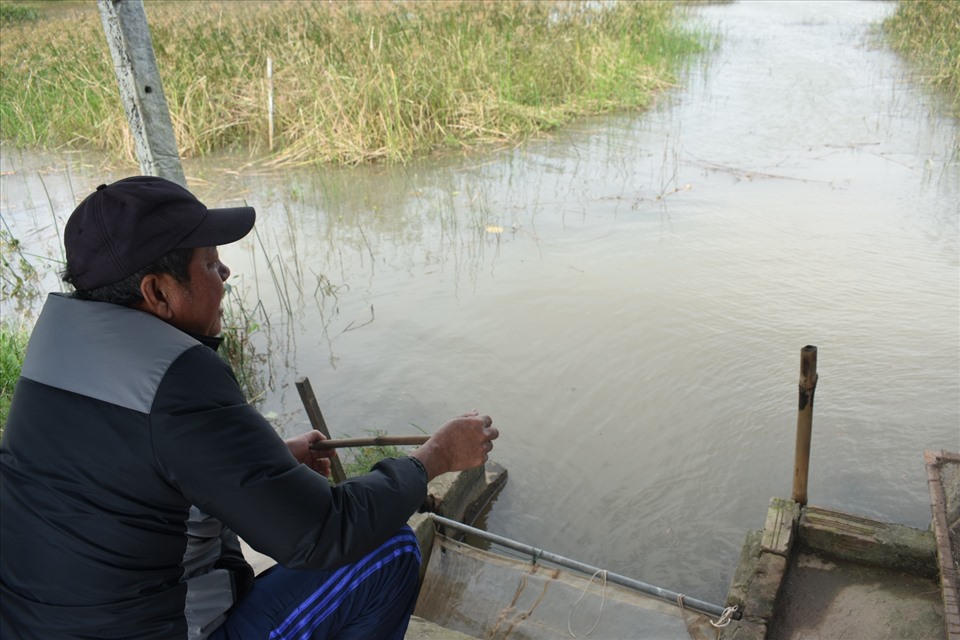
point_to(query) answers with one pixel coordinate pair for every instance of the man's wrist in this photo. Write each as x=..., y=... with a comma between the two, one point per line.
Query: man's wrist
x=423, y=469
x=428, y=461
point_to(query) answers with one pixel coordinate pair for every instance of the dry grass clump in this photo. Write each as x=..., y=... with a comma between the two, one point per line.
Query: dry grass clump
x=353, y=81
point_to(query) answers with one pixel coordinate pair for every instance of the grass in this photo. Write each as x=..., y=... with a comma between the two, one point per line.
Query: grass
x=13, y=346
x=927, y=32
x=353, y=82
x=15, y=14
x=238, y=327
x=360, y=460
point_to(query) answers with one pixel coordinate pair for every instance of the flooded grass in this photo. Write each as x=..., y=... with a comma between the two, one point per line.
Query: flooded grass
x=352, y=82
x=927, y=32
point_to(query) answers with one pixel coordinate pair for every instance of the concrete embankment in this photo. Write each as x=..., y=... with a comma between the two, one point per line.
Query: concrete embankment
x=820, y=573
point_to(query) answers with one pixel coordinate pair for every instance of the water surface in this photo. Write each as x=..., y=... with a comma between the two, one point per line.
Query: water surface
x=628, y=298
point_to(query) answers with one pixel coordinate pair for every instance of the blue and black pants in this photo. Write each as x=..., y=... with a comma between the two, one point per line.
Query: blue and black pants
x=369, y=599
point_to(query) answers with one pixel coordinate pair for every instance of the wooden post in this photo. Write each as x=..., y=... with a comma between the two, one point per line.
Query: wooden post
x=128, y=36
x=316, y=419
x=270, y=103
x=808, y=385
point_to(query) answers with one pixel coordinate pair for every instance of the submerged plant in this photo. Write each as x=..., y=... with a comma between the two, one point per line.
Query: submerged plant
x=19, y=279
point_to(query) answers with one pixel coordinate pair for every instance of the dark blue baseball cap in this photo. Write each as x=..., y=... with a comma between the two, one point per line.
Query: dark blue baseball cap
x=128, y=225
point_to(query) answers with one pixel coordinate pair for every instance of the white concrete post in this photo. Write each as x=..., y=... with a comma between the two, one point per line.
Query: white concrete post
x=125, y=25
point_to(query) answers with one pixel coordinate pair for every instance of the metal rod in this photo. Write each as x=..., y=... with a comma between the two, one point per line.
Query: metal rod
x=808, y=385
x=537, y=554
x=373, y=441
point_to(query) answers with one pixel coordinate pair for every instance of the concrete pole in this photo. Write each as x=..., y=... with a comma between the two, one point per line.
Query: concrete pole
x=125, y=25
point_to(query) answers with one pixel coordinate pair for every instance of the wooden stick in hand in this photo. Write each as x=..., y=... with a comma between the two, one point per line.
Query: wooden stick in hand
x=375, y=441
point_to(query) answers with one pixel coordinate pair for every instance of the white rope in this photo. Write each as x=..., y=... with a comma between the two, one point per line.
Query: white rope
x=725, y=617
x=719, y=623
x=603, y=596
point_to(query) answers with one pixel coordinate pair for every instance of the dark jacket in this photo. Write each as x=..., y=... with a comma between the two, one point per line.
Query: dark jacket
x=128, y=443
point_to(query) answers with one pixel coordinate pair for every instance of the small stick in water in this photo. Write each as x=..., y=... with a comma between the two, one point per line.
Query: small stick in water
x=375, y=441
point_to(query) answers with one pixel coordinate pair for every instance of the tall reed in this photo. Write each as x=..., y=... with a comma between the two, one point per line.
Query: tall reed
x=352, y=81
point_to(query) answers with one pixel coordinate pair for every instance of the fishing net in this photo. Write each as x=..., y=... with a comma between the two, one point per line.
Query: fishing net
x=495, y=597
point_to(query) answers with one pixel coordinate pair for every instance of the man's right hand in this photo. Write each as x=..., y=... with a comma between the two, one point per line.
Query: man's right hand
x=462, y=443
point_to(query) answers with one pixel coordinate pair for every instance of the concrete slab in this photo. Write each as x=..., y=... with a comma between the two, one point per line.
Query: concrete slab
x=843, y=600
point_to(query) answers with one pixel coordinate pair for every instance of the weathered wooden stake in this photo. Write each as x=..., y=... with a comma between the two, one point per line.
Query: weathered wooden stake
x=808, y=385
x=316, y=419
x=128, y=36
x=270, y=103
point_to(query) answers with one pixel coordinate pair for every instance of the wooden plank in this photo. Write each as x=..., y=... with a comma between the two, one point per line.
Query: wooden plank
x=316, y=420
x=939, y=504
x=882, y=544
x=778, y=532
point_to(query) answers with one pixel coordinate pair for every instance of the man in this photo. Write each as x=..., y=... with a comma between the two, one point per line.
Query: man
x=131, y=461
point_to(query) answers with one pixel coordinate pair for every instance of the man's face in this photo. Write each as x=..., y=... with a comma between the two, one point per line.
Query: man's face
x=196, y=305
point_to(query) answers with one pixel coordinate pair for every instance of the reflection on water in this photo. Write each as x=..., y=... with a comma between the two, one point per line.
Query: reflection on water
x=629, y=297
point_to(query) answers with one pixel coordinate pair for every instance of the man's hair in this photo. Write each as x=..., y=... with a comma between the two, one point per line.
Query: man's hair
x=126, y=292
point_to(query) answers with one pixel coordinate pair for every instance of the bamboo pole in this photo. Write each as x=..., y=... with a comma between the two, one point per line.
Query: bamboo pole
x=808, y=385
x=373, y=441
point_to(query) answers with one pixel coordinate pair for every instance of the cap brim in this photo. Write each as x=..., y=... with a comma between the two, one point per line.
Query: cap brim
x=220, y=226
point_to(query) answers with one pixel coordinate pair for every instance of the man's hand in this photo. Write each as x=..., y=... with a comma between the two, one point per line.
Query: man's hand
x=318, y=460
x=462, y=443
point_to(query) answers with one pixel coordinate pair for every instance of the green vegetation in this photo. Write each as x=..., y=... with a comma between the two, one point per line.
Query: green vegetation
x=238, y=326
x=13, y=346
x=11, y=14
x=927, y=32
x=352, y=82
x=19, y=279
x=359, y=461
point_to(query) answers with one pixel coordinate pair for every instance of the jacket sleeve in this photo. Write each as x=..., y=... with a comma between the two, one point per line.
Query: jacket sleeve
x=225, y=458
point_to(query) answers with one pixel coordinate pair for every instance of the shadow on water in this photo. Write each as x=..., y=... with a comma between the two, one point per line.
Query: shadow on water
x=628, y=297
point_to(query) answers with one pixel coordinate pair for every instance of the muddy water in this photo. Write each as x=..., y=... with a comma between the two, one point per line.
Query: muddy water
x=629, y=297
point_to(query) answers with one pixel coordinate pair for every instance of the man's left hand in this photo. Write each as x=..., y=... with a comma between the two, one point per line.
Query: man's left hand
x=318, y=460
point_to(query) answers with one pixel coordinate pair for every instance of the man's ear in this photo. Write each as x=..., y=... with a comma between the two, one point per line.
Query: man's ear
x=155, y=289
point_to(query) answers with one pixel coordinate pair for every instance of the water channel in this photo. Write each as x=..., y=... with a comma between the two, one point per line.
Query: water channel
x=628, y=297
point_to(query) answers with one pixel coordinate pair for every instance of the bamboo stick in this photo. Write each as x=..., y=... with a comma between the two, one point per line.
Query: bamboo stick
x=808, y=385
x=373, y=441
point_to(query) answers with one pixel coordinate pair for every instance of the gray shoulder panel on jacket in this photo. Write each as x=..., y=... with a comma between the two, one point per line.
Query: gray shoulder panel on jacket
x=104, y=351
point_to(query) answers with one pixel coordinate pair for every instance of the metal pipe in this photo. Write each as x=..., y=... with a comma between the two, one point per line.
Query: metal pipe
x=537, y=554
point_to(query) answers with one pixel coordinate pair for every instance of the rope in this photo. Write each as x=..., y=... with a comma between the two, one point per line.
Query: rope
x=603, y=596
x=725, y=617
x=719, y=623
x=536, y=556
